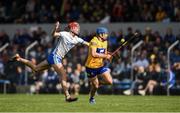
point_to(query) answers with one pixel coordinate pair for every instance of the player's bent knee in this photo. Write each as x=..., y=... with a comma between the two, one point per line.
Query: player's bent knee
x=110, y=82
x=96, y=86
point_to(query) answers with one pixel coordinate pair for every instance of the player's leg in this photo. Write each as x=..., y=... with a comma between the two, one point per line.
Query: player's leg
x=41, y=66
x=60, y=70
x=106, y=77
x=94, y=82
x=94, y=86
x=56, y=62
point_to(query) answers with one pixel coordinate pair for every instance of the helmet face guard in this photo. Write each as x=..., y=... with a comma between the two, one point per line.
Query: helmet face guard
x=74, y=27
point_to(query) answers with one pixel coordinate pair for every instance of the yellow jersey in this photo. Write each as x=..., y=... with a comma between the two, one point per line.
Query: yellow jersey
x=101, y=47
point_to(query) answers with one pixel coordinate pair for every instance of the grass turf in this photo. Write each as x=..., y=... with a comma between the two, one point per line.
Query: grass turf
x=105, y=103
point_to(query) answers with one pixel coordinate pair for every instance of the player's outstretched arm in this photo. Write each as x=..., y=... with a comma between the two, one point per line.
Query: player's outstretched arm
x=81, y=41
x=86, y=43
x=56, y=30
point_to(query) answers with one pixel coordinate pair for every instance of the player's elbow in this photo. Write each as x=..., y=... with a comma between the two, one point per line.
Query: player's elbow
x=94, y=54
x=53, y=35
x=86, y=43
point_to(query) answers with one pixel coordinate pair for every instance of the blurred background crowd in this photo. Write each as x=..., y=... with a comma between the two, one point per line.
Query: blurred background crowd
x=104, y=11
x=151, y=73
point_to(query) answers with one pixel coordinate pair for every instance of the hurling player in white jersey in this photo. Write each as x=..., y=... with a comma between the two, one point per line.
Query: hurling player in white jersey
x=66, y=40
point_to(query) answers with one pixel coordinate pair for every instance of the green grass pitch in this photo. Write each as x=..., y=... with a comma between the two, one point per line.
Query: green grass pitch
x=104, y=103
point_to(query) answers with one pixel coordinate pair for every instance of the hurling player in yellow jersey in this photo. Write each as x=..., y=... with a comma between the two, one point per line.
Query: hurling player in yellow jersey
x=94, y=63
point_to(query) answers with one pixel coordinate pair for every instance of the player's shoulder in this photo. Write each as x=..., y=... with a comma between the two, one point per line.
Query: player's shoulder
x=64, y=32
x=94, y=39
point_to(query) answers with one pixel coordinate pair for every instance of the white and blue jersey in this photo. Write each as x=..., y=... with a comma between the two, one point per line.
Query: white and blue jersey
x=65, y=42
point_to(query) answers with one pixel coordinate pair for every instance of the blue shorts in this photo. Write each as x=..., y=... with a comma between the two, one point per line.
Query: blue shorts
x=92, y=72
x=54, y=59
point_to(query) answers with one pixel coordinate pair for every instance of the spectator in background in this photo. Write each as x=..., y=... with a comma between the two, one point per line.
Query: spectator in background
x=139, y=82
x=30, y=6
x=148, y=36
x=69, y=72
x=176, y=10
x=120, y=35
x=1, y=68
x=153, y=60
x=117, y=70
x=146, y=14
x=37, y=82
x=175, y=56
x=112, y=40
x=51, y=81
x=160, y=14
x=141, y=61
x=20, y=76
x=169, y=37
x=17, y=37
x=167, y=78
x=84, y=83
x=74, y=86
x=129, y=33
x=40, y=55
x=177, y=15
x=178, y=35
x=166, y=19
x=4, y=38
x=176, y=69
x=2, y=13
x=14, y=11
x=74, y=13
x=65, y=63
x=45, y=39
x=158, y=40
x=22, y=38
x=153, y=81
x=37, y=34
x=43, y=14
x=117, y=11
x=162, y=59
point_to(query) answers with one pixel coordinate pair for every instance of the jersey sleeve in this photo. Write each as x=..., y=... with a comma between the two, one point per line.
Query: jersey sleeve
x=58, y=34
x=93, y=43
x=63, y=34
x=80, y=40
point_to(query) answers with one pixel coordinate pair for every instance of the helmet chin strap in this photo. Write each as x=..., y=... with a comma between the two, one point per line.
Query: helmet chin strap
x=74, y=33
x=102, y=39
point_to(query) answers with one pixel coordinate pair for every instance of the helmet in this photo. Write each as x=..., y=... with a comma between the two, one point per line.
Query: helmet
x=101, y=30
x=74, y=27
